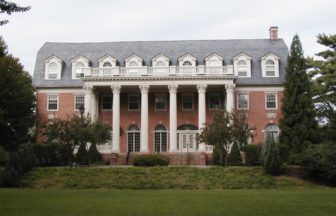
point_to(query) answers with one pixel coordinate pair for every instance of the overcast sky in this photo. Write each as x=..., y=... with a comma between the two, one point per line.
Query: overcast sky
x=130, y=20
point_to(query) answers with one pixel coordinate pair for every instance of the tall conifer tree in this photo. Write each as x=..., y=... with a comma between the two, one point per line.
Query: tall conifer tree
x=297, y=124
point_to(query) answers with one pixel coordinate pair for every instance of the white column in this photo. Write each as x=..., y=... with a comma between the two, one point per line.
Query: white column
x=201, y=88
x=144, y=118
x=116, y=118
x=229, y=97
x=172, y=118
x=94, y=110
x=87, y=99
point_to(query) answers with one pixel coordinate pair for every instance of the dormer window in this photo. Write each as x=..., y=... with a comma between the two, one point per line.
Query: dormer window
x=160, y=64
x=187, y=64
x=270, y=65
x=242, y=65
x=160, y=61
x=187, y=60
x=214, y=60
x=133, y=64
x=107, y=61
x=133, y=61
x=79, y=64
x=53, y=68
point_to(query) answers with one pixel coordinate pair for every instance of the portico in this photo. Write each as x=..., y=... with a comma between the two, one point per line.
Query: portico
x=175, y=118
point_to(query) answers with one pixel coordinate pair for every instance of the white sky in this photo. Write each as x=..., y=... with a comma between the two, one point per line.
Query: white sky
x=129, y=20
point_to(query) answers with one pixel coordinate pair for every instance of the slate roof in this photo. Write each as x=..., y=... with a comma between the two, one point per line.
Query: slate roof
x=228, y=49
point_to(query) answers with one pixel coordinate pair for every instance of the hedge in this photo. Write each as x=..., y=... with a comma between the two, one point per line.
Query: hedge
x=151, y=160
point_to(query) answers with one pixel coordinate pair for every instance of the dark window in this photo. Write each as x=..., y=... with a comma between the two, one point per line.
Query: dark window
x=187, y=102
x=133, y=102
x=107, y=102
x=214, y=101
x=160, y=102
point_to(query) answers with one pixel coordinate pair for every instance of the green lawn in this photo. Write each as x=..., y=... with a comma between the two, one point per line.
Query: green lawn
x=158, y=178
x=250, y=202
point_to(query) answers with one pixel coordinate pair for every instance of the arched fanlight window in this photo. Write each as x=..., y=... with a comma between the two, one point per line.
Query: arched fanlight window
x=272, y=129
x=270, y=69
x=160, y=138
x=107, y=64
x=242, y=68
x=187, y=63
x=214, y=63
x=160, y=64
x=133, y=138
x=133, y=64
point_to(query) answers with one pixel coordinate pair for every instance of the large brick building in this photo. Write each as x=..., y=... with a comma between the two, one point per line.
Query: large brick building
x=158, y=94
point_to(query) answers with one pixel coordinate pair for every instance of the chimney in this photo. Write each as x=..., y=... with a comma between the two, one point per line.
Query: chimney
x=273, y=32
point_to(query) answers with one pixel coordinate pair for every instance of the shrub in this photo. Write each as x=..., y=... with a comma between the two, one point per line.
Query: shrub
x=4, y=156
x=53, y=154
x=234, y=158
x=215, y=156
x=94, y=155
x=82, y=156
x=271, y=160
x=252, y=154
x=319, y=161
x=151, y=160
x=10, y=177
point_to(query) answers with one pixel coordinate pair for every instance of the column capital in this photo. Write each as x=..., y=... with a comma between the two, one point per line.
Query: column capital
x=115, y=89
x=144, y=89
x=88, y=88
x=230, y=88
x=201, y=88
x=173, y=88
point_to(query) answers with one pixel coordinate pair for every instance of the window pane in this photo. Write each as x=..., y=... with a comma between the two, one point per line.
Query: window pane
x=133, y=102
x=187, y=102
x=107, y=102
x=160, y=102
x=52, y=102
x=271, y=101
x=79, y=101
x=214, y=100
x=137, y=141
x=242, y=101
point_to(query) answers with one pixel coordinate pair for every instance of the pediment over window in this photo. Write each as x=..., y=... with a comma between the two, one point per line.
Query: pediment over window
x=107, y=61
x=187, y=60
x=133, y=61
x=242, y=65
x=53, y=68
x=270, y=65
x=214, y=60
x=160, y=61
x=79, y=64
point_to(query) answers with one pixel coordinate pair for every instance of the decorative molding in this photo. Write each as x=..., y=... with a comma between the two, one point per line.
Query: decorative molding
x=172, y=89
x=201, y=88
x=116, y=89
x=230, y=88
x=144, y=89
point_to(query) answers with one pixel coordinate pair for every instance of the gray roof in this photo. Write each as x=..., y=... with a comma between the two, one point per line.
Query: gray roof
x=228, y=49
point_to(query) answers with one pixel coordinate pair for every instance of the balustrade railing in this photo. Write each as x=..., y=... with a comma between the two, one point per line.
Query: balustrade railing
x=157, y=71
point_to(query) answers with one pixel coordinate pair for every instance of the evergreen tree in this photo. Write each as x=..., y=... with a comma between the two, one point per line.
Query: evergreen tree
x=234, y=156
x=271, y=160
x=17, y=101
x=9, y=8
x=82, y=156
x=297, y=124
x=94, y=155
x=324, y=84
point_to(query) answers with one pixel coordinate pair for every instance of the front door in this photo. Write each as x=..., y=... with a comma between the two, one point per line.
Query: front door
x=188, y=142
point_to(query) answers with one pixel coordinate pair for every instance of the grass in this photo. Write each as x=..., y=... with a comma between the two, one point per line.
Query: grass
x=317, y=201
x=158, y=178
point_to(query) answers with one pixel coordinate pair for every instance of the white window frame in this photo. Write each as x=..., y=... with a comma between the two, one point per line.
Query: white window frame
x=102, y=102
x=75, y=101
x=275, y=59
x=133, y=132
x=276, y=100
x=220, y=100
x=128, y=102
x=160, y=132
x=193, y=101
x=247, y=59
x=165, y=101
x=248, y=101
x=58, y=72
x=57, y=103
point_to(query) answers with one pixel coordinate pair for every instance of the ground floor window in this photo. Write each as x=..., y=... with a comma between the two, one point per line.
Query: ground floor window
x=186, y=138
x=160, y=139
x=133, y=138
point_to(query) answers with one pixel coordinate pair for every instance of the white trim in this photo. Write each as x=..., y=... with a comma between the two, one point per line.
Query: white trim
x=262, y=89
x=193, y=101
x=139, y=104
x=53, y=110
x=276, y=100
x=248, y=100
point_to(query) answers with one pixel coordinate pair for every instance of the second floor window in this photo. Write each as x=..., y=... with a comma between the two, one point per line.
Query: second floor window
x=187, y=102
x=160, y=102
x=79, y=101
x=243, y=101
x=107, y=102
x=52, y=103
x=214, y=101
x=271, y=101
x=133, y=102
